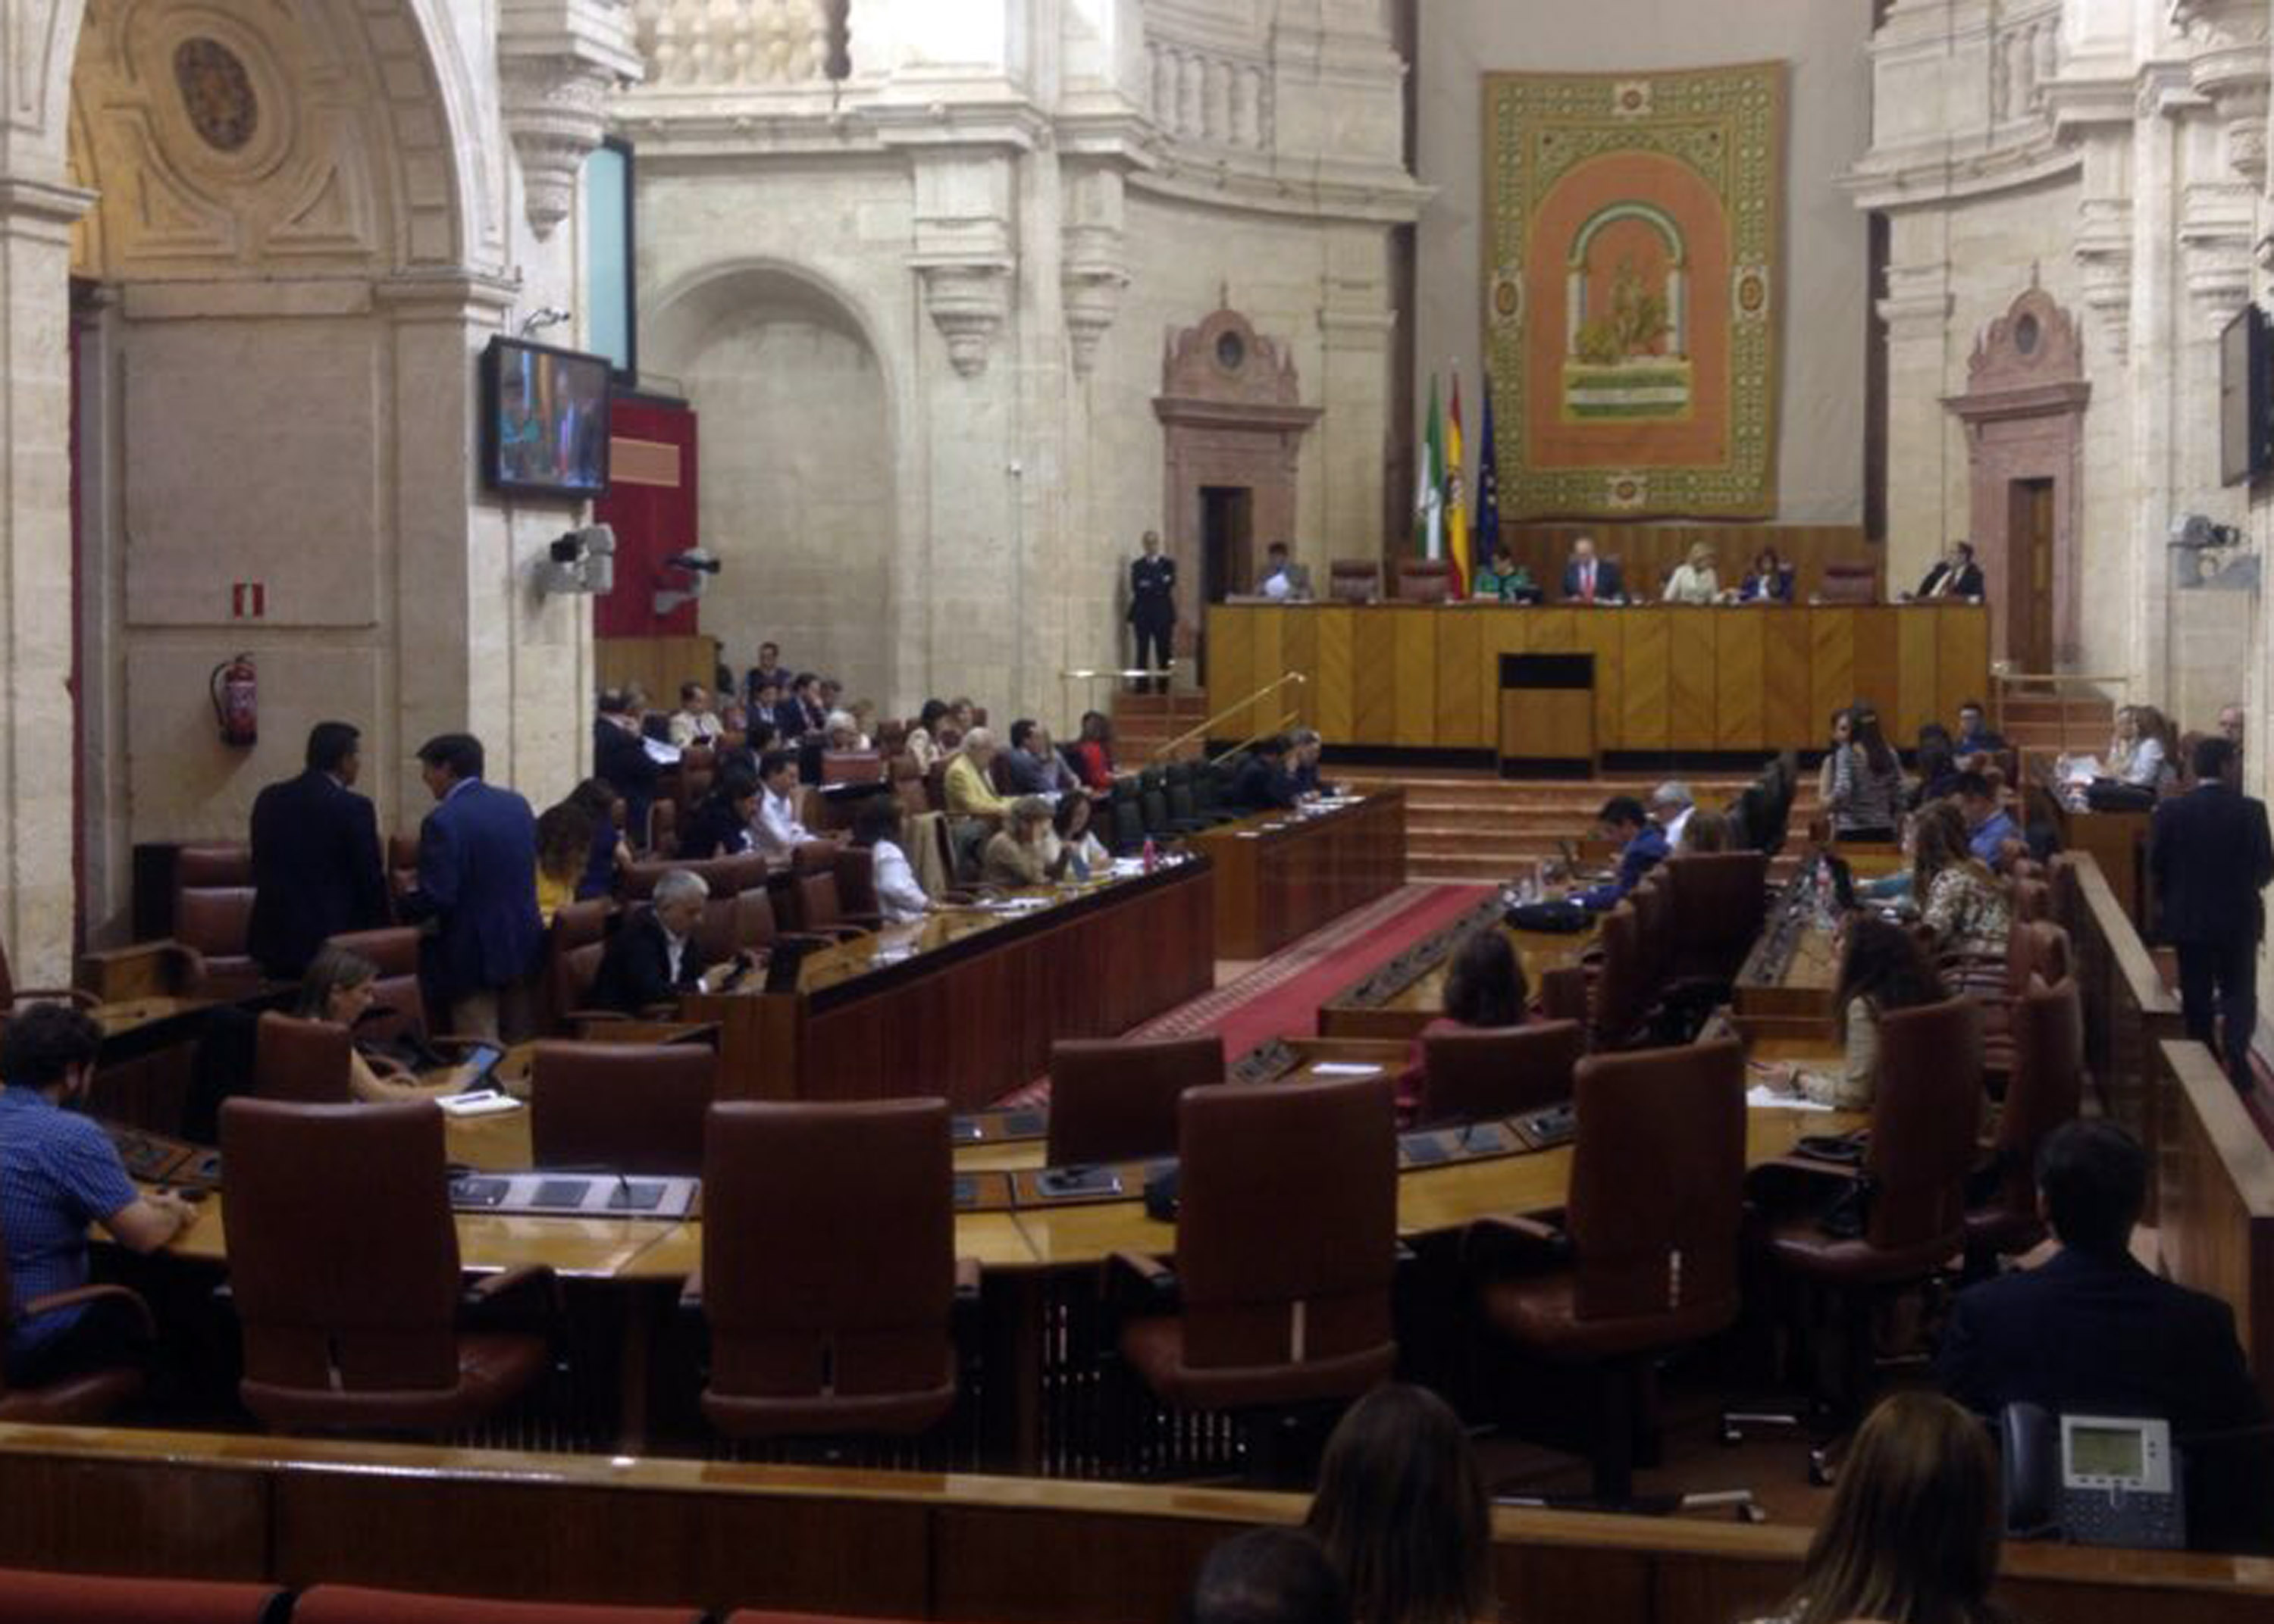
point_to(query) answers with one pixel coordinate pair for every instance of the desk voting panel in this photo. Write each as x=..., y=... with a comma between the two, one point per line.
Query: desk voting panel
x=1742, y=677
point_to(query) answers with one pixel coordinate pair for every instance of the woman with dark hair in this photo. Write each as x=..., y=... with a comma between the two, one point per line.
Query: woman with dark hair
x=923, y=738
x=901, y=896
x=1843, y=735
x=1937, y=758
x=1867, y=782
x=720, y=826
x=564, y=846
x=1093, y=752
x=1962, y=904
x=1882, y=969
x=609, y=852
x=1070, y=833
x=1768, y=581
x=1485, y=990
x=1402, y=1512
x=1913, y=1534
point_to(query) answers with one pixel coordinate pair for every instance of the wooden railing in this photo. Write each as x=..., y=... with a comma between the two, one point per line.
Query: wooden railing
x=2004, y=679
x=2128, y=1009
x=1200, y=731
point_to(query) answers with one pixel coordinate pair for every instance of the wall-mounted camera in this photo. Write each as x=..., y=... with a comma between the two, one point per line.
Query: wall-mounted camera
x=583, y=560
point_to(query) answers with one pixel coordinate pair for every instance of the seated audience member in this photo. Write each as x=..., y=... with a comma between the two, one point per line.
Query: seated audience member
x=2231, y=725
x=1882, y=968
x=1867, y=782
x=1093, y=752
x=1915, y=1527
x=2141, y=754
x=962, y=715
x=720, y=825
x=841, y=732
x=863, y=712
x=1283, y=578
x=1937, y=766
x=1014, y=857
x=2092, y=1332
x=619, y=756
x=1263, y=783
x=1642, y=847
x=777, y=832
x=1843, y=735
x=60, y=1173
x=339, y=988
x=1899, y=886
x=1962, y=906
x=732, y=718
x=1671, y=808
x=923, y=738
x=1506, y=581
x=1267, y=1575
x=654, y=955
x=1589, y=580
x=1975, y=734
x=800, y=711
x=695, y=722
x=611, y=853
x=831, y=693
x=1695, y=580
x=564, y=853
x=1707, y=831
x=766, y=706
x=970, y=791
x=1485, y=990
x=1768, y=581
x=768, y=672
x=1303, y=748
x=1402, y=1512
x=1990, y=835
x=1955, y=574
x=1070, y=833
x=901, y=896
x=1033, y=764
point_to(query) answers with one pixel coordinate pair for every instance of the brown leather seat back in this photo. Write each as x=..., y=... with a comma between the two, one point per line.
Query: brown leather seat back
x=575, y=924
x=1424, y=581
x=1849, y=584
x=1667, y=1241
x=393, y=948
x=1719, y=900
x=828, y=1247
x=214, y=919
x=2033, y=899
x=1619, y=996
x=574, y=973
x=2046, y=1087
x=1287, y=1227
x=1116, y=1100
x=343, y=1256
x=908, y=787
x=817, y=904
x=1925, y=1117
x=215, y=865
x=1654, y=918
x=1354, y=580
x=851, y=767
x=856, y=880
x=308, y=1061
x=813, y=857
x=725, y=876
x=1478, y=1076
x=631, y=1108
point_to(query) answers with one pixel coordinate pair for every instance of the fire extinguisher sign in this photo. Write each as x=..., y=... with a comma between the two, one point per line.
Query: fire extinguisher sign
x=248, y=600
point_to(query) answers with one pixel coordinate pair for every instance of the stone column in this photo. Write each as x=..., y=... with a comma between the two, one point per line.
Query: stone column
x=36, y=799
x=1932, y=496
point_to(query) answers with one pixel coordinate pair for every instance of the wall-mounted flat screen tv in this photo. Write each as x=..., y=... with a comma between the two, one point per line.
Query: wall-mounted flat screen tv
x=544, y=415
x=2245, y=411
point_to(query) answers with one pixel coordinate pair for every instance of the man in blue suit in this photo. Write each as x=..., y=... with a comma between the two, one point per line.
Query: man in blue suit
x=478, y=882
x=1642, y=847
x=1589, y=580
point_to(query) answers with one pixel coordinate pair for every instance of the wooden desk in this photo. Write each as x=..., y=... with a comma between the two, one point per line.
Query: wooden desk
x=966, y=1004
x=1788, y=988
x=1749, y=677
x=1280, y=876
x=2215, y=1212
x=2117, y=840
x=1408, y=993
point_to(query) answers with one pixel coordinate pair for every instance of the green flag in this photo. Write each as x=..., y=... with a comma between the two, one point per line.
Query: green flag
x=1429, y=487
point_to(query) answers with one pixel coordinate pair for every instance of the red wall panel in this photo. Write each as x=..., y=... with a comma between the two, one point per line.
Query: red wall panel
x=652, y=501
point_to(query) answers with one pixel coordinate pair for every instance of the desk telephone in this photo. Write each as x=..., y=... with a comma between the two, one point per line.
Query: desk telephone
x=2092, y=1480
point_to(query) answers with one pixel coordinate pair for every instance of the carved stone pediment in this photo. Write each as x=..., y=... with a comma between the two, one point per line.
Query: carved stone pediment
x=2036, y=342
x=1224, y=361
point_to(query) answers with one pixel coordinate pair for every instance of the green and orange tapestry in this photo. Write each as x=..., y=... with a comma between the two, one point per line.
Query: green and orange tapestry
x=1631, y=237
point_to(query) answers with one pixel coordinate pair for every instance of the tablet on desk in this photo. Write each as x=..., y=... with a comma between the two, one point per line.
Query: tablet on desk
x=482, y=1060
x=1062, y=1183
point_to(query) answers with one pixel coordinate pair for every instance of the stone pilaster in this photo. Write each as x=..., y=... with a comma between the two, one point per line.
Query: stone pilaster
x=963, y=249
x=560, y=62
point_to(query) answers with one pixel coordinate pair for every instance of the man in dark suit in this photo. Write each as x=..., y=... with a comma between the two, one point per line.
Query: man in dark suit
x=1955, y=574
x=619, y=756
x=1589, y=580
x=655, y=956
x=477, y=882
x=799, y=712
x=1642, y=847
x=769, y=670
x=2211, y=857
x=316, y=864
x=2091, y=1332
x=1153, y=611
x=1263, y=783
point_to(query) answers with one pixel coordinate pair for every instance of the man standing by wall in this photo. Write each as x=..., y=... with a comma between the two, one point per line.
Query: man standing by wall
x=2210, y=857
x=1153, y=610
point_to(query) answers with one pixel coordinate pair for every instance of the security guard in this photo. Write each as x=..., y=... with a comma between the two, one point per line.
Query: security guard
x=1152, y=608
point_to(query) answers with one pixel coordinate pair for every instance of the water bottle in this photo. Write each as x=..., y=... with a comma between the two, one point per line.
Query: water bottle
x=1151, y=858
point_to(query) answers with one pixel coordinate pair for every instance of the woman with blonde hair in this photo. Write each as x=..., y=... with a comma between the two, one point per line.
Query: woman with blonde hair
x=1694, y=580
x=1915, y=1527
x=1015, y=857
x=338, y=987
x=1403, y=1514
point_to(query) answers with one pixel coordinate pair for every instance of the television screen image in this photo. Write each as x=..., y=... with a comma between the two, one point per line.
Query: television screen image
x=546, y=412
x=2246, y=415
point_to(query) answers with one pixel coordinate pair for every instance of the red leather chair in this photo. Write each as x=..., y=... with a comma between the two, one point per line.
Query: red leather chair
x=1354, y=580
x=829, y=1268
x=1117, y=1099
x=631, y=1108
x=851, y=767
x=398, y=1001
x=1286, y=1244
x=821, y=911
x=12, y=995
x=856, y=872
x=576, y=926
x=220, y=863
x=1619, y=996
x=344, y=1261
x=726, y=876
x=1425, y=580
x=310, y=1061
x=2046, y=1089
x=28, y=1597
x=1650, y=1236
x=1849, y=584
x=1718, y=901
x=743, y=923
x=211, y=923
x=82, y=1397
x=1480, y=1075
x=341, y=1604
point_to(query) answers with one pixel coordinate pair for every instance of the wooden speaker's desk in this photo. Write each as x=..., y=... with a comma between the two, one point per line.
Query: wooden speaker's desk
x=1743, y=677
x=965, y=1004
x=1281, y=875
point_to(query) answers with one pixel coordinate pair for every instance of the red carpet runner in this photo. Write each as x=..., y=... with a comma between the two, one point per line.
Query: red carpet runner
x=1281, y=996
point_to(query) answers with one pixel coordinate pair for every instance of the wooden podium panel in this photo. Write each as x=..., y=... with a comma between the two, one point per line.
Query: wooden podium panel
x=1738, y=678
x=1547, y=723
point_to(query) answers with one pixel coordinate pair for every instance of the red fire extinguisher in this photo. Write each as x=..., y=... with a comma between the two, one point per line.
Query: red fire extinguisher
x=237, y=701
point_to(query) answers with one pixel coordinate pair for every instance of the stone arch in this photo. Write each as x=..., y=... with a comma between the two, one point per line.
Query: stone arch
x=1677, y=259
x=798, y=467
